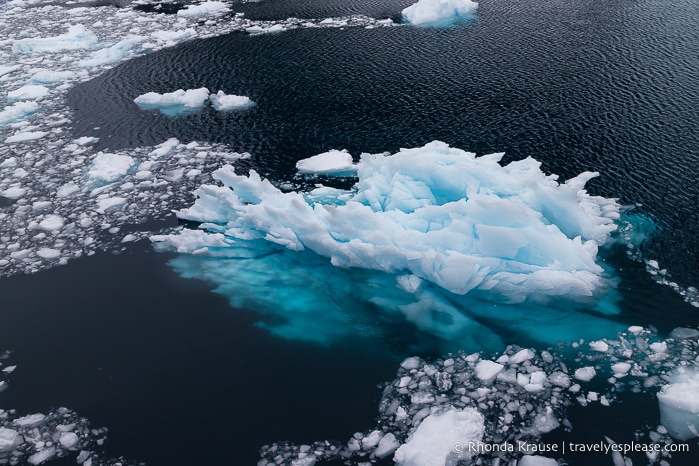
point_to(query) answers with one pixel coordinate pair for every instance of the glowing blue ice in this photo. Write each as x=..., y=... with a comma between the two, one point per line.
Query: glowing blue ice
x=454, y=244
x=439, y=12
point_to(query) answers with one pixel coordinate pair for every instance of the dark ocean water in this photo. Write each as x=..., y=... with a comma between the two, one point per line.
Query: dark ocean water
x=180, y=378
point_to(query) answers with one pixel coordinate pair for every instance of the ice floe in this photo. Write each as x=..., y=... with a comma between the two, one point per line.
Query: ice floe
x=439, y=12
x=177, y=103
x=203, y=9
x=334, y=162
x=227, y=102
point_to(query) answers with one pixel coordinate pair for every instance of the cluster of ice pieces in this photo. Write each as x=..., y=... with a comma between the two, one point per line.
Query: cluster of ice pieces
x=36, y=438
x=182, y=103
x=439, y=12
x=47, y=48
x=511, y=400
x=87, y=197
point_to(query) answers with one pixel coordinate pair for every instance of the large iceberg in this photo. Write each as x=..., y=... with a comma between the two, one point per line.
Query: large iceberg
x=443, y=238
x=439, y=12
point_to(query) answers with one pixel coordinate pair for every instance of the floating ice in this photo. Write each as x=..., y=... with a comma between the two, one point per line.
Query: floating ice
x=439, y=12
x=114, y=54
x=334, y=162
x=455, y=239
x=178, y=103
x=51, y=77
x=228, y=103
x=28, y=92
x=203, y=9
x=17, y=111
x=679, y=406
x=24, y=136
x=432, y=443
x=77, y=37
x=107, y=168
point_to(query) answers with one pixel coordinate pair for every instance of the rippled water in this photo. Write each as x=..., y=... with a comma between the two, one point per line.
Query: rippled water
x=609, y=87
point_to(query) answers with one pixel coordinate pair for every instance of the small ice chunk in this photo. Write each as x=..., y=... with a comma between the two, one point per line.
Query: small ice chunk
x=68, y=440
x=177, y=103
x=107, y=168
x=26, y=136
x=203, y=9
x=333, y=162
x=683, y=333
x=48, y=253
x=521, y=356
x=29, y=92
x=17, y=111
x=9, y=439
x=110, y=204
x=620, y=369
x=51, y=223
x=585, y=374
x=30, y=421
x=77, y=37
x=432, y=443
x=599, y=345
x=13, y=193
x=436, y=12
x=679, y=407
x=387, y=445
x=228, y=103
x=659, y=347
x=635, y=329
x=486, y=370
x=410, y=363
x=41, y=456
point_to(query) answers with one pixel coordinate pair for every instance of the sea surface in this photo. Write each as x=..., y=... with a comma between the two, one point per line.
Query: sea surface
x=181, y=378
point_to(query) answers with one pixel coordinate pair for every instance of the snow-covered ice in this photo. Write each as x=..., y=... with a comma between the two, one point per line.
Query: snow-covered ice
x=679, y=406
x=333, y=162
x=439, y=12
x=432, y=443
x=28, y=92
x=178, y=103
x=228, y=102
x=77, y=37
x=203, y=9
x=17, y=111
